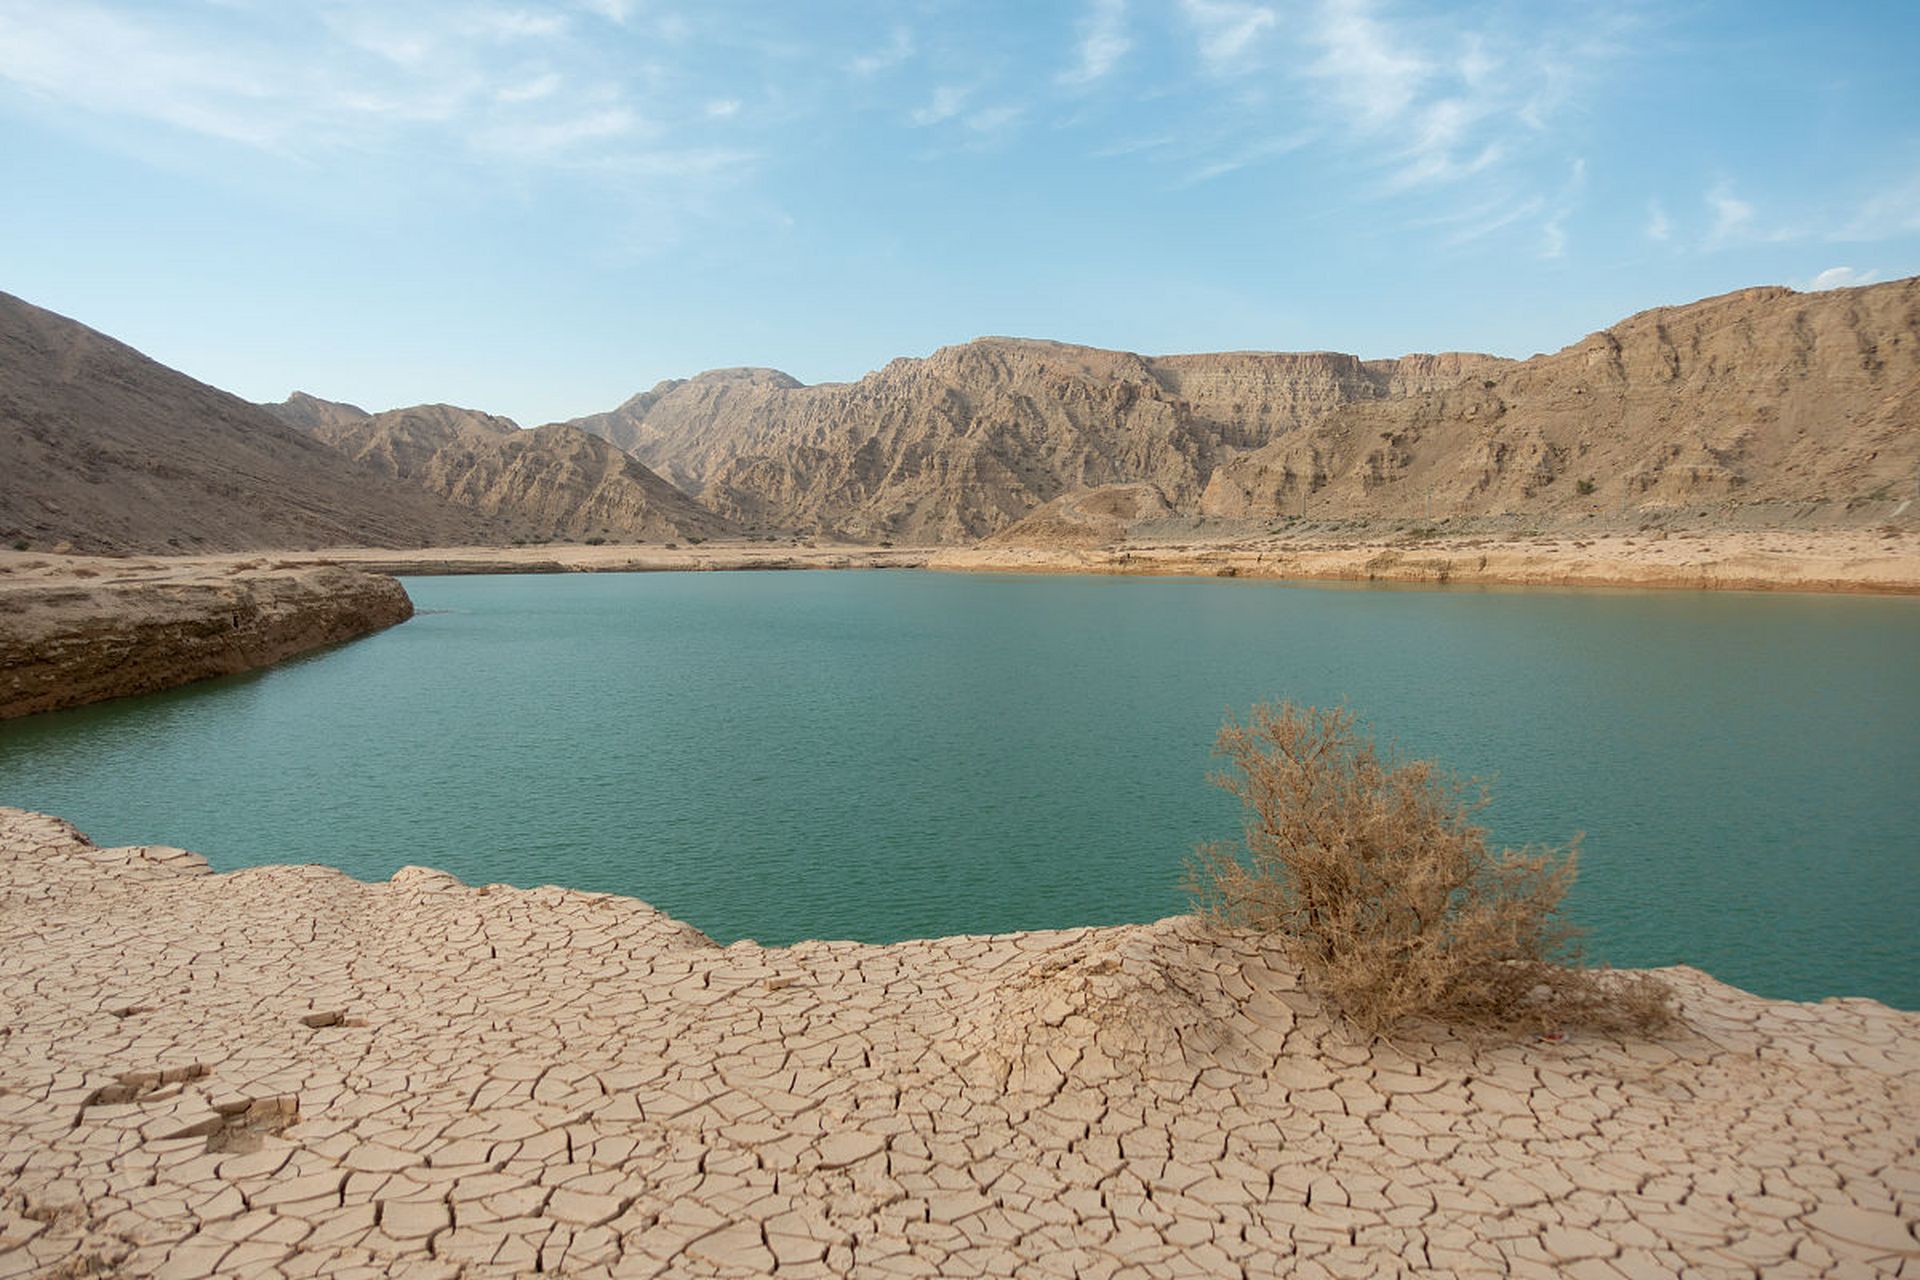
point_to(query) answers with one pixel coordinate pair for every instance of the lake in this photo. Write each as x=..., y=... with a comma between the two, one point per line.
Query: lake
x=879, y=755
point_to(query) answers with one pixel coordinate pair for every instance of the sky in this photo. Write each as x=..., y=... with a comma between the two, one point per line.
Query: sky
x=539, y=207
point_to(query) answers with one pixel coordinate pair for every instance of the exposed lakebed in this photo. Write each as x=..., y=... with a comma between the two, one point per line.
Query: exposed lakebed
x=891, y=754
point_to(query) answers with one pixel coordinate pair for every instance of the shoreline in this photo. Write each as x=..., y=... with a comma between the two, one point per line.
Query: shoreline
x=1876, y=562
x=93, y=630
x=286, y=1071
x=78, y=629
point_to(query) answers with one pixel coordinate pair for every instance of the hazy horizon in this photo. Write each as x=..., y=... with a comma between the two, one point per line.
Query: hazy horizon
x=540, y=208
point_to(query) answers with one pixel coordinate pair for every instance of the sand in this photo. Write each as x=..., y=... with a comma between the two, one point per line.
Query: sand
x=285, y=1072
x=1850, y=561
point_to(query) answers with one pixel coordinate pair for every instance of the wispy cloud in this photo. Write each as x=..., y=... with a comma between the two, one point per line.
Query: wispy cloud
x=1659, y=228
x=1840, y=278
x=898, y=49
x=1103, y=42
x=1736, y=222
x=1892, y=212
x=1553, y=232
x=614, y=11
x=948, y=101
x=1229, y=32
x=1244, y=157
x=1732, y=216
x=518, y=84
x=1372, y=76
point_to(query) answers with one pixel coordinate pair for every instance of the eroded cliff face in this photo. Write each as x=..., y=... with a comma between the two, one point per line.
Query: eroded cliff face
x=112, y=629
x=553, y=482
x=1764, y=400
x=974, y=437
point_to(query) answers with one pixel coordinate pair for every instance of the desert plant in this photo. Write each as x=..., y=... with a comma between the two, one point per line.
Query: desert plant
x=1384, y=892
x=1584, y=487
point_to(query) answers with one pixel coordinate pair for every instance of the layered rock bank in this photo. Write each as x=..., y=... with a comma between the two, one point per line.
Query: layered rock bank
x=74, y=631
x=284, y=1072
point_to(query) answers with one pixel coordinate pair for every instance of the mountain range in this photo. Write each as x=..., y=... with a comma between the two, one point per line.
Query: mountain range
x=1761, y=406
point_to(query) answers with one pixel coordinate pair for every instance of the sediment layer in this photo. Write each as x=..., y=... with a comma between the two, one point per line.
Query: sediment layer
x=1794, y=560
x=77, y=631
x=285, y=1072
x=1828, y=561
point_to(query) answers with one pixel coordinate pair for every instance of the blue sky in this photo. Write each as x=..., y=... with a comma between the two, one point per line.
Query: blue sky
x=537, y=207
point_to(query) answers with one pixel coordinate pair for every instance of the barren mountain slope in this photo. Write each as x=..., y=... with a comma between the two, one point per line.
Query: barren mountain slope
x=1757, y=405
x=110, y=451
x=307, y=412
x=553, y=482
x=966, y=441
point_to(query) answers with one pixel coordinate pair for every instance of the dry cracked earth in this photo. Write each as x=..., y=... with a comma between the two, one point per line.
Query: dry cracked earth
x=285, y=1072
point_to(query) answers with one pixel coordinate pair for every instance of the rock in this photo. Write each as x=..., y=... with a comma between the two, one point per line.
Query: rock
x=66, y=642
x=1751, y=407
x=974, y=437
x=553, y=482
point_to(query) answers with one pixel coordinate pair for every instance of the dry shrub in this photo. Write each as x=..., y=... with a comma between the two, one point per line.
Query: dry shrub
x=1386, y=895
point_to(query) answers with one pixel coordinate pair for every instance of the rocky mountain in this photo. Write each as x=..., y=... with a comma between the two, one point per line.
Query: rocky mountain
x=968, y=440
x=553, y=482
x=1752, y=407
x=107, y=450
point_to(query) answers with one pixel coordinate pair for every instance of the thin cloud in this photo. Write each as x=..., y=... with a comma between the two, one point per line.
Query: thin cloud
x=1736, y=222
x=898, y=49
x=1840, y=278
x=1890, y=213
x=614, y=11
x=947, y=102
x=1659, y=227
x=543, y=86
x=1732, y=216
x=355, y=77
x=1228, y=32
x=1371, y=75
x=1103, y=42
x=1242, y=159
x=1553, y=232
x=994, y=119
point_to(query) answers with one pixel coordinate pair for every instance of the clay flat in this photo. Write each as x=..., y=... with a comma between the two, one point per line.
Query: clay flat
x=285, y=1072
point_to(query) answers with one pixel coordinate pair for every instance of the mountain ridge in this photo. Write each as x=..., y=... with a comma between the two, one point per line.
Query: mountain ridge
x=104, y=449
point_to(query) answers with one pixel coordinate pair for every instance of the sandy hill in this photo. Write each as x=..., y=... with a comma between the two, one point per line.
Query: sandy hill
x=554, y=482
x=968, y=440
x=1760, y=406
x=110, y=451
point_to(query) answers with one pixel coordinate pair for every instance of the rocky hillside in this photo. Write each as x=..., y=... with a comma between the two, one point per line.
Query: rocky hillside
x=1756, y=407
x=107, y=450
x=554, y=482
x=974, y=437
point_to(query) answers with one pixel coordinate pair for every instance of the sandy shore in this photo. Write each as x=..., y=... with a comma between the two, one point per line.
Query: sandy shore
x=1853, y=560
x=284, y=1072
x=1850, y=560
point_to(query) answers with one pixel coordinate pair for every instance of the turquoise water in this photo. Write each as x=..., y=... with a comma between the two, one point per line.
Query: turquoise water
x=880, y=755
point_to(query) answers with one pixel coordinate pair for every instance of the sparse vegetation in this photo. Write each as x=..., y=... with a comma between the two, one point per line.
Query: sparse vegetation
x=596, y=542
x=1584, y=487
x=21, y=544
x=1386, y=894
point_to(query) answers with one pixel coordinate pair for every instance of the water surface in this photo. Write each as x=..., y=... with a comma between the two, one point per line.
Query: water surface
x=880, y=755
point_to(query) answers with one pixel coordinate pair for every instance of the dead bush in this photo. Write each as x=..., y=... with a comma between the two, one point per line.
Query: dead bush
x=1384, y=892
